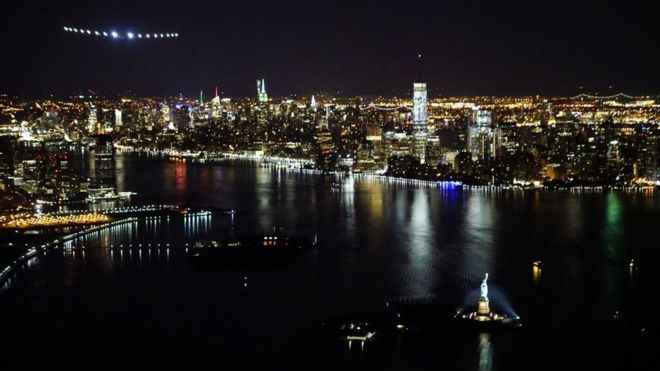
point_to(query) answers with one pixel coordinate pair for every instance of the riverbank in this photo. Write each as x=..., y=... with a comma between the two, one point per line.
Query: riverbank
x=33, y=250
x=306, y=166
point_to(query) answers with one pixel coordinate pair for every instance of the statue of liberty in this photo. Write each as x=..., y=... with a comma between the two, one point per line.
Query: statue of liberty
x=484, y=287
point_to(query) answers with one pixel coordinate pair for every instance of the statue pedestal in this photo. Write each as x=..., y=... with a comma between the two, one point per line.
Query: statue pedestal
x=483, y=308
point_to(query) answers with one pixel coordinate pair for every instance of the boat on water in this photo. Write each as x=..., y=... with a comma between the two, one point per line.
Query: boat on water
x=360, y=331
x=107, y=194
x=271, y=243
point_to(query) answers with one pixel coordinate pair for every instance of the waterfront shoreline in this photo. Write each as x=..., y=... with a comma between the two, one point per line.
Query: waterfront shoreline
x=272, y=162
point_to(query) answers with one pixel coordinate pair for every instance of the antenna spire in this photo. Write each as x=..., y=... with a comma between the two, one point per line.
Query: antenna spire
x=419, y=67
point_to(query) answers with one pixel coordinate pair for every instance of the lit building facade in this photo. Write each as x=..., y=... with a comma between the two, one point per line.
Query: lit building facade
x=92, y=122
x=420, y=121
x=104, y=162
x=481, y=139
x=261, y=91
x=420, y=115
x=118, y=118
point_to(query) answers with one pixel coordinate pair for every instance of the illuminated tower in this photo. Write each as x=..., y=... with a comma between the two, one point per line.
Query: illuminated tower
x=182, y=117
x=652, y=164
x=261, y=91
x=481, y=141
x=8, y=155
x=324, y=121
x=215, y=105
x=92, y=121
x=165, y=114
x=420, y=115
x=104, y=162
x=118, y=119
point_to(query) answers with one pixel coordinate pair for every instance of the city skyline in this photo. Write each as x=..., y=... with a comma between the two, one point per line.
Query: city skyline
x=518, y=48
x=341, y=185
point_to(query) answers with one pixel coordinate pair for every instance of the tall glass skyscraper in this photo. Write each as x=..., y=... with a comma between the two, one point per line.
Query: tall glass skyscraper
x=420, y=116
x=481, y=138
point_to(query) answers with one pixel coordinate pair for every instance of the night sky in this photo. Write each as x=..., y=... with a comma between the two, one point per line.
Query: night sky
x=338, y=47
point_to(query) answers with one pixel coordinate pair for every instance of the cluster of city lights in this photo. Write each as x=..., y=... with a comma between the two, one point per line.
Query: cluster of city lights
x=121, y=35
x=54, y=220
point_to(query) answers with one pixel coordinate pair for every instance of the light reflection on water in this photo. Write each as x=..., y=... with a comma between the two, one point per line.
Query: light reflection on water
x=485, y=351
x=420, y=245
x=478, y=233
x=378, y=241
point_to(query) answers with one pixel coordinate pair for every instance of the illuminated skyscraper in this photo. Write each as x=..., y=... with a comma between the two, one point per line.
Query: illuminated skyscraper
x=8, y=154
x=215, y=105
x=104, y=162
x=324, y=120
x=420, y=115
x=327, y=159
x=118, y=119
x=92, y=121
x=481, y=141
x=614, y=158
x=182, y=117
x=165, y=114
x=652, y=165
x=261, y=91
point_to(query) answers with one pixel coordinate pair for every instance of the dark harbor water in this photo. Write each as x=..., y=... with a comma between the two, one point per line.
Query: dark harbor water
x=142, y=305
